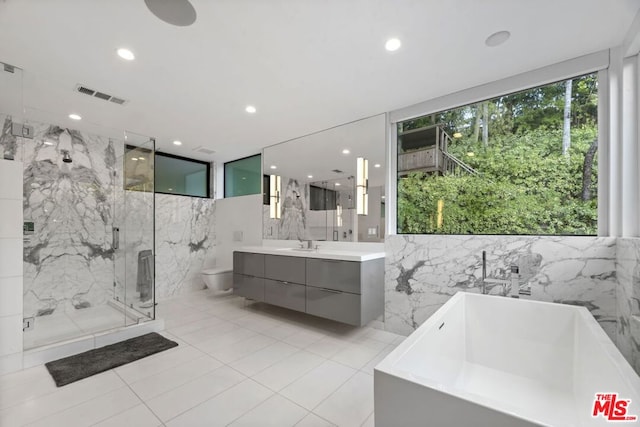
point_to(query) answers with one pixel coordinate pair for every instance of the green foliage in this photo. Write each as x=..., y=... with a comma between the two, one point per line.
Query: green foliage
x=525, y=185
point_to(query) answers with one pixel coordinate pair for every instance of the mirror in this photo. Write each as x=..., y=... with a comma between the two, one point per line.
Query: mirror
x=311, y=185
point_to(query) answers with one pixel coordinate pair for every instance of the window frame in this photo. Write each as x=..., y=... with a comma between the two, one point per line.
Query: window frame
x=593, y=63
x=224, y=176
x=175, y=156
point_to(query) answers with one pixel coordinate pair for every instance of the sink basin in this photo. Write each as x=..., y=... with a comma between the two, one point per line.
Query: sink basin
x=298, y=249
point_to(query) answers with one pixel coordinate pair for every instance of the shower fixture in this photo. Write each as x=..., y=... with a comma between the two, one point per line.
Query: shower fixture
x=65, y=156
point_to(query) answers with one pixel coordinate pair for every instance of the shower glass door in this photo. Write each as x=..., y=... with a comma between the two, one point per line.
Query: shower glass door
x=133, y=230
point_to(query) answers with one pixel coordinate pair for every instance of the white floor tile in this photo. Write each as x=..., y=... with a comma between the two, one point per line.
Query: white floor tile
x=138, y=416
x=303, y=338
x=240, y=349
x=225, y=339
x=225, y=407
x=194, y=326
x=326, y=347
x=370, y=422
x=176, y=401
x=384, y=336
x=92, y=411
x=368, y=368
x=210, y=332
x=143, y=368
x=351, y=404
x=262, y=359
x=281, y=331
x=288, y=370
x=21, y=386
x=61, y=399
x=355, y=355
x=171, y=378
x=313, y=387
x=312, y=420
x=273, y=412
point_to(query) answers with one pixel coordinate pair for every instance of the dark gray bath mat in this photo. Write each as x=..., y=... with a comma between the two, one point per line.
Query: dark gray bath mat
x=74, y=368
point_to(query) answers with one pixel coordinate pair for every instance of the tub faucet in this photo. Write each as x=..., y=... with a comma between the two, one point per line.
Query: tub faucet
x=510, y=286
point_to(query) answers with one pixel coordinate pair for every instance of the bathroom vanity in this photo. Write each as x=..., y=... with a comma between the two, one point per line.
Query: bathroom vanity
x=345, y=286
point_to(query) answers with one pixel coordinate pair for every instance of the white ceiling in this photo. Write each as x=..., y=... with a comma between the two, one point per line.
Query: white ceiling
x=306, y=65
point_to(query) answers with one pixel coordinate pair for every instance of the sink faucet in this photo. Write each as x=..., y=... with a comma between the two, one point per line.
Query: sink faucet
x=512, y=284
x=309, y=244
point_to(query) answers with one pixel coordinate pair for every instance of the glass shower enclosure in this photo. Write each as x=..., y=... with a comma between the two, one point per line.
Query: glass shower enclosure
x=89, y=209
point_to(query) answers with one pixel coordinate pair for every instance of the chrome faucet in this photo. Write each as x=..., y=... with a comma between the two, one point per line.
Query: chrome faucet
x=510, y=286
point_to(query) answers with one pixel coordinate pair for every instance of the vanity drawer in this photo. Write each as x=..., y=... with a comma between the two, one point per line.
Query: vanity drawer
x=285, y=294
x=334, y=305
x=248, y=287
x=284, y=268
x=334, y=274
x=248, y=264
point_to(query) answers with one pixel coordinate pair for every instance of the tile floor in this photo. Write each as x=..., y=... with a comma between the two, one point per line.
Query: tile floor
x=238, y=364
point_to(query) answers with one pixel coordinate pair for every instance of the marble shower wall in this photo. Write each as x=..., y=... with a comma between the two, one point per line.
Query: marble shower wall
x=68, y=261
x=628, y=299
x=423, y=271
x=185, y=243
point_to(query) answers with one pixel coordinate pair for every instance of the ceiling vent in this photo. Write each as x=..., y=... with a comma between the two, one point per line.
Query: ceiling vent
x=100, y=95
x=204, y=150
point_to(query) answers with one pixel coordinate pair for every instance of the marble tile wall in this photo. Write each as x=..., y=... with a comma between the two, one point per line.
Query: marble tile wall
x=185, y=243
x=423, y=271
x=68, y=261
x=628, y=299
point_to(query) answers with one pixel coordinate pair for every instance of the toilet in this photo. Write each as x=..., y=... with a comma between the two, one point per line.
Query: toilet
x=218, y=279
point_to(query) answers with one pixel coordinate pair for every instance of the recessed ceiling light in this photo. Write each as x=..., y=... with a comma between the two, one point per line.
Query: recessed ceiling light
x=496, y=39
x=377, y=165
x=337, y=184
x=74, y=116
x=177, y=143
x=48, y=143
x=273, y=167
x=135, y=159
x=393, y=44
x=244, y=177
x=126, y=54
x=345, y=151
x=140, y=158
x=250, y=109
x=170, y=189
x=309, y=176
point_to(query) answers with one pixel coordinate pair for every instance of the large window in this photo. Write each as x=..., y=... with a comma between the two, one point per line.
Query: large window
x=181, y=175
x=523, y=163
x=243, y=176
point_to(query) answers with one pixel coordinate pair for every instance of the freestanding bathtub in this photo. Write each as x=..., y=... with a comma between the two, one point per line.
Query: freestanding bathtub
x=496, y=361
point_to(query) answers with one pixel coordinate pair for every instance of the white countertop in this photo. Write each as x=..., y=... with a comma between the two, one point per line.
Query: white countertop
x=344, y=255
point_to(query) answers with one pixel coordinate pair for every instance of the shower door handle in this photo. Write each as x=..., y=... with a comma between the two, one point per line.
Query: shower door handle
x=115, y=236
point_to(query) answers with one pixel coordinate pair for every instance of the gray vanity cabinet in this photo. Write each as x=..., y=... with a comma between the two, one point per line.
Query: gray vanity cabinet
x=335, y=305
x=248, y=275
x=345, y=291
x=284, y=281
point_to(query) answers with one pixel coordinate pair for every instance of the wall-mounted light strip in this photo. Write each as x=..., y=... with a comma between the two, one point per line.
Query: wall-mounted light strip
x=362, y=186
x=274, y=196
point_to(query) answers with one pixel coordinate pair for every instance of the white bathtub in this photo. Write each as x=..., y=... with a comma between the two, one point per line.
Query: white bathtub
x=494, y=361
